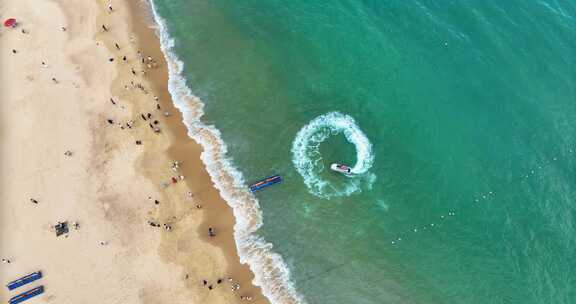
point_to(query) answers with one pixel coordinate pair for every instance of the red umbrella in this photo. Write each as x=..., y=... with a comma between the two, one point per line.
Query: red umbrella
x=10, y=22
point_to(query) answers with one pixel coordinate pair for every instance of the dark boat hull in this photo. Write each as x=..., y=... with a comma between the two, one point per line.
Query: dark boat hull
x=26, y=295
x=265, y=182
x=24, y=280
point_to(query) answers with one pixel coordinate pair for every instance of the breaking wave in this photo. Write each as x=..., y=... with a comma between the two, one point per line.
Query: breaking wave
x=270, y=271
x=309, y=163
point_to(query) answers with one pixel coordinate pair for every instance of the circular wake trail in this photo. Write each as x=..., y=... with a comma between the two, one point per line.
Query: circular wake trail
x=308, y=161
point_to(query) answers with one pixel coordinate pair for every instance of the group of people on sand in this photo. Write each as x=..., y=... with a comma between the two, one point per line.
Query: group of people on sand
x=235, y=286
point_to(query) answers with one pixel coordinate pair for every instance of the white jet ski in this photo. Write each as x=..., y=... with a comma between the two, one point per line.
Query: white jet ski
x=341, y=168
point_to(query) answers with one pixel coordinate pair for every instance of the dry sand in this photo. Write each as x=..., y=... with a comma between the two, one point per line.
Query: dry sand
x=109, y=184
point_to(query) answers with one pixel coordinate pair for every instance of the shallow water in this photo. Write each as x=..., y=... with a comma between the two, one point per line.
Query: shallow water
x=468, y=108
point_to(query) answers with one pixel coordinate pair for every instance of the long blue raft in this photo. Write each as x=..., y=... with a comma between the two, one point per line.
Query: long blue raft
x=26, y=295
x=265, y=182
x=24, y=280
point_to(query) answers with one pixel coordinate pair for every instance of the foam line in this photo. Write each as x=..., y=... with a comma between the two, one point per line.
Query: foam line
x=270, y=271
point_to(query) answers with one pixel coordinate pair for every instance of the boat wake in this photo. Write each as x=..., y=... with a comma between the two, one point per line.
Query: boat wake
x=308, y=161
x=270, y=271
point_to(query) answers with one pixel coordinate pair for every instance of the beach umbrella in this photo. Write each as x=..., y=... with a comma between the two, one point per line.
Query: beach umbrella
x=10, y=22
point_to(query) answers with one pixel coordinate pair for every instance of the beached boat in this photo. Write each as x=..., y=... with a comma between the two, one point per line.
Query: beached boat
x=26, y=295
x=24, y=280
x=265, y=182
x=341, y=168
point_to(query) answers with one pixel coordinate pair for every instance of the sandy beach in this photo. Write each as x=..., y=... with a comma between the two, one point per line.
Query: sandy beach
x=89, y=136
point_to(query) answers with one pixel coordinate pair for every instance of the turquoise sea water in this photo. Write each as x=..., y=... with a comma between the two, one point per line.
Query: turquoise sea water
x=462, y=112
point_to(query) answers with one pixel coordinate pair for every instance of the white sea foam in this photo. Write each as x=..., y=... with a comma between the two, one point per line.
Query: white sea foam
x=308, y=161
x=270, y=271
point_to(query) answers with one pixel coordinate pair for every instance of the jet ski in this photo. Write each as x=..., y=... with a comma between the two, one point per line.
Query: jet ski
x=341, y=168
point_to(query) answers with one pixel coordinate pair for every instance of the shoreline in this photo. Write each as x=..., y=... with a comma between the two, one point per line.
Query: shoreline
x=217, y=213
x=270, y=271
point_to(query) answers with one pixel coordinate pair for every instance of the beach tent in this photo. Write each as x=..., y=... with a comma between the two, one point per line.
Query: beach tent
x=61, y=228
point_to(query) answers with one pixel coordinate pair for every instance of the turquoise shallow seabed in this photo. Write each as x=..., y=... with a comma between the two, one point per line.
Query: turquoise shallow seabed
x=470, y=108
